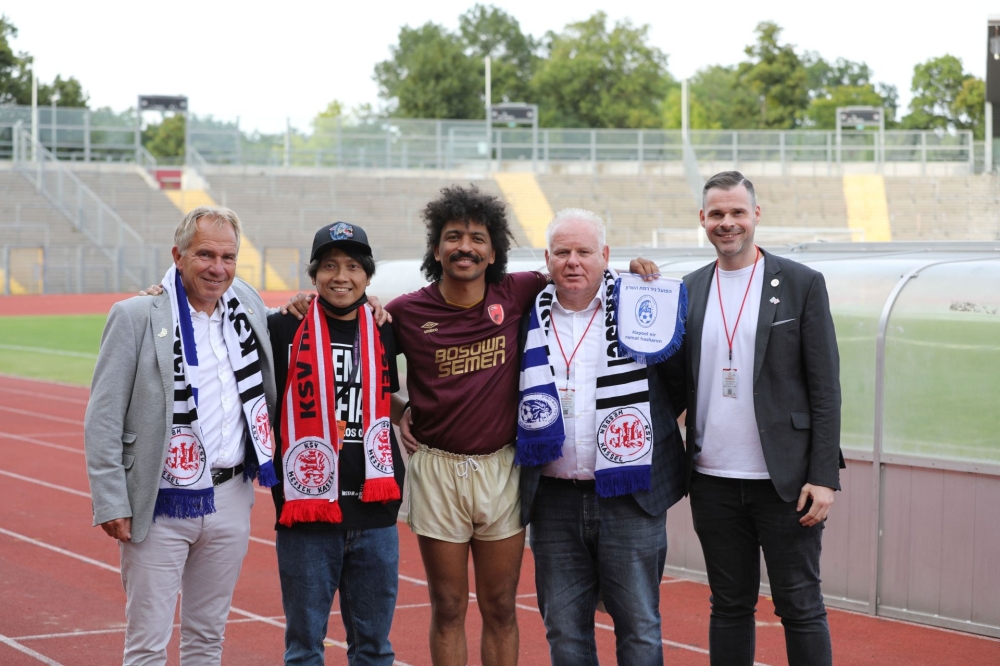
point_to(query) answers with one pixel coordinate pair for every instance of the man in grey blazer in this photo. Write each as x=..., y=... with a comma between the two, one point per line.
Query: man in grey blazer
x=763, y=429
x=177, y=426
x=585, y=544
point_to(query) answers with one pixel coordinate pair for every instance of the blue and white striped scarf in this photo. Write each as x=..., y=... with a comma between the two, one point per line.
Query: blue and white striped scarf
x=623, y=423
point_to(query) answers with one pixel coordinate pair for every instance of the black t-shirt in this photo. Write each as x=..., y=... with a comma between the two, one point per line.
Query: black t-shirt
x=358, y=515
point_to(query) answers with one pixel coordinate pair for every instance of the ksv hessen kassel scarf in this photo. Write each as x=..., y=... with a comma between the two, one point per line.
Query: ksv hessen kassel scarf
x=311, y=441
x=186, y=489
x=623, y=423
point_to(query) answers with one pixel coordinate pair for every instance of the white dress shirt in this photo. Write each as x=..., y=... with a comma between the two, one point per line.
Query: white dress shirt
x=220, y=410
x=579, y=451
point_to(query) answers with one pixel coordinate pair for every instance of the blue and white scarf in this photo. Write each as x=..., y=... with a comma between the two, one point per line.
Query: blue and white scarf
x=623, y=423
x=186, y=489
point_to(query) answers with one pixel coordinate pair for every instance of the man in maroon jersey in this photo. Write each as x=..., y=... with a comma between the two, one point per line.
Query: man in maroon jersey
x=460, y=338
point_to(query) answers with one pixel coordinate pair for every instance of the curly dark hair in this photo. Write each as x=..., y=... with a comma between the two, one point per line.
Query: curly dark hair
x=467, y=204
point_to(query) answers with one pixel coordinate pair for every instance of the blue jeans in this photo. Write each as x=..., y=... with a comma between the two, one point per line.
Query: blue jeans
x=363, y=565
x=582, y=545
x=735, y=519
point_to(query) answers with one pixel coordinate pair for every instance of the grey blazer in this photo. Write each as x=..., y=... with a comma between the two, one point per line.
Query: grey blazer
x=796, y=375
x=126, y=429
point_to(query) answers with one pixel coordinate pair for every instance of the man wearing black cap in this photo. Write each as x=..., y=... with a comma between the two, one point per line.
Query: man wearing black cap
x=337, y=458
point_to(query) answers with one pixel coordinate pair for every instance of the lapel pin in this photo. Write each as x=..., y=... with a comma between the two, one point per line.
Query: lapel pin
x=774, y=282
x=250, y=310
x=162, y=333
x=774, y=300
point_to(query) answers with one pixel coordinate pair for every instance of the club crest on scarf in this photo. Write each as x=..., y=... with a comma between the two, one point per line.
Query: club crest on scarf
x=624, y=436
x=260, y=426
x=378, y=446
x=185, y=463
x=310, y=467
x=537, y=411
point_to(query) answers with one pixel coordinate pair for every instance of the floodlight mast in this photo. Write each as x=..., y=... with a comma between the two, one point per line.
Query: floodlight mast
x=992, y=87
x=489, y=114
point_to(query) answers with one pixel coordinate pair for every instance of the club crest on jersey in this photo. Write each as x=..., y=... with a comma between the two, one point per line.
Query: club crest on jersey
x=624, y=436
x=537, y=411
x=341, y=231
x=378, y=446
x=309, y=466
x=185, y=464
x=496, y=313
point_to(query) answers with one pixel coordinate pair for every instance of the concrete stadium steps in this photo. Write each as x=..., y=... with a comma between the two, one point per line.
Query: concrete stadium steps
x=281, y=211
x=28, y=221
x=145, y=209
x=944, y=208
x=801, y=201
x=632, y=207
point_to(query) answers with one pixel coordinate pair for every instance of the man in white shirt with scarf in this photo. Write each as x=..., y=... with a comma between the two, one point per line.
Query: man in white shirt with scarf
x=177, y=427
x=598, y=523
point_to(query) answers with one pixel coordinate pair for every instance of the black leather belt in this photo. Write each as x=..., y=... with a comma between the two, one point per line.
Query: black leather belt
x=586, y=485
x=220, y=476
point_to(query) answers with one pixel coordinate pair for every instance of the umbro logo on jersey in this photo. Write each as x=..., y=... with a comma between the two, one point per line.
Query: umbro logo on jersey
x=430, y=327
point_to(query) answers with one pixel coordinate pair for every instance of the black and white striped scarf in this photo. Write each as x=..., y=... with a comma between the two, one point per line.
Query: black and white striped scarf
x=186, y=489
x=623, y=424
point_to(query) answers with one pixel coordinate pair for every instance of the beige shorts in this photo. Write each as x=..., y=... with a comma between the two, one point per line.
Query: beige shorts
x=456, y=498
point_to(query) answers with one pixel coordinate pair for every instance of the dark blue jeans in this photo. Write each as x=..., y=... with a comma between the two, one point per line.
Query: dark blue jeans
x=735, y=519
x=583, y=544
x=363, y=565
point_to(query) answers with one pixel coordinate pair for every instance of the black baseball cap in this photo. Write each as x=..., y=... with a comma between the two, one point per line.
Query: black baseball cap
x=339, y=233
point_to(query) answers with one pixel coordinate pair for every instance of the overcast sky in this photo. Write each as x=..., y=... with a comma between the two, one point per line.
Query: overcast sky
x=233, y=59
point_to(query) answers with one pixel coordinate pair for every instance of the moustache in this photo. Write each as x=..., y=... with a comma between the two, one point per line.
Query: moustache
x=458, y=256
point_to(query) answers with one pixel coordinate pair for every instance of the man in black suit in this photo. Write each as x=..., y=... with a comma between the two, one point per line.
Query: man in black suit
x=587, y=539
x=763, y=429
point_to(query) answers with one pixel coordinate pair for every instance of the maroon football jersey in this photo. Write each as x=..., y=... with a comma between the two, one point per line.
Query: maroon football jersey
x=462, y=365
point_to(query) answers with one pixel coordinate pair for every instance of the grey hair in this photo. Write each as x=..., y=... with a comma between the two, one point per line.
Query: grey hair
x=577, y=215
x=218, y=214
x=728, y=180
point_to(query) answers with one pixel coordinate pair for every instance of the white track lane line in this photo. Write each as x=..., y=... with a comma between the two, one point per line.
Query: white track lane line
x=50, y=417
x=31, y=440
x=28, y=651
x=50, y=396
x=47, y=350
x=82, y=558
x=46, y=484
x=36, y=380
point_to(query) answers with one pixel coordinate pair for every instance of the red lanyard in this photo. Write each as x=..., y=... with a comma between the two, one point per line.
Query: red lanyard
x=718, y=287
x=579, y=342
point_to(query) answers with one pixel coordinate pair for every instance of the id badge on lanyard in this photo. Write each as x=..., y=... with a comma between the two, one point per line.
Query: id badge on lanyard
x=729, y=378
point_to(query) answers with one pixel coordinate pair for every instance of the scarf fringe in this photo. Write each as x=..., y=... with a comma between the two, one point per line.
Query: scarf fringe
x=622, y=481
x=265, y=474
x=675, y=342
x=538, y=452
x=380, y=490
x=310, y=511
x=184, y=503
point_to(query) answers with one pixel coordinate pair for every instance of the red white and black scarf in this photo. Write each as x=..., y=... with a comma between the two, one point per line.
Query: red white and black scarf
x=312, y=441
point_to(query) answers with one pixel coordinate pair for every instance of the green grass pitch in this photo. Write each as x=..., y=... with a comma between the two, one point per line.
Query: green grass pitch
x=57, y=347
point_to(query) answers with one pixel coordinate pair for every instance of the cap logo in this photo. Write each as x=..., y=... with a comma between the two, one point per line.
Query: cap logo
x=342, y=231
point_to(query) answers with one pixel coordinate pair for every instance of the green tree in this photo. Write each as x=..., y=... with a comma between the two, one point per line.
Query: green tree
x=430, y=76
x=489, y=31
x=945, y=96
x=596, y=77
x=15, y=76
x=166, y=139
x=778, y=78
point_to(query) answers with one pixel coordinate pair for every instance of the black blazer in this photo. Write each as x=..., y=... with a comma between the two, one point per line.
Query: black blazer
x=796, y=375
x=666, y=394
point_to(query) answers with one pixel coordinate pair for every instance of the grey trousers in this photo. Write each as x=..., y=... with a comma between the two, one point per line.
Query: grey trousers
x=200, y=558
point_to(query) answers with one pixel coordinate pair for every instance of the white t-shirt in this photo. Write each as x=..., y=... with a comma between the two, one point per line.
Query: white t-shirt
x=727, y=427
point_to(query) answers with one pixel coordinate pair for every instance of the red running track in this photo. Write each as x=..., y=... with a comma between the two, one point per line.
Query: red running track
x=62, y=601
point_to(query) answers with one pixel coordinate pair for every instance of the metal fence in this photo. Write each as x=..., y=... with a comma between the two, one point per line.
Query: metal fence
x=395, y=143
